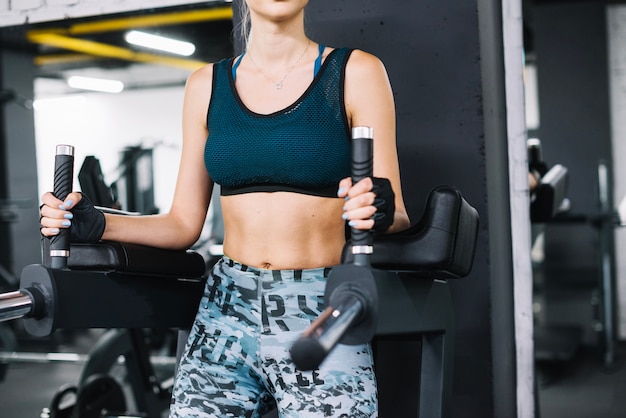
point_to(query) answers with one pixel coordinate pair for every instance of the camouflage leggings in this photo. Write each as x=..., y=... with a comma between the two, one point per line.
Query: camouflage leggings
x=236, y=362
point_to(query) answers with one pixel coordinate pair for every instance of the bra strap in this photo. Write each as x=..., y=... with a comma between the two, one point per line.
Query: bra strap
x=234, y=69
x=318, y=60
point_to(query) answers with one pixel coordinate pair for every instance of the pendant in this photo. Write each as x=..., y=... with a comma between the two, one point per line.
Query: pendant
x=278, y=85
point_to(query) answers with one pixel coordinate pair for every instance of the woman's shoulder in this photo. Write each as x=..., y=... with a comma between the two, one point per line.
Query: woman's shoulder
x=357, y=59
x=362, y=64
x=363, y=58
x=205, y=72
x=200, y=84
x=201, y=75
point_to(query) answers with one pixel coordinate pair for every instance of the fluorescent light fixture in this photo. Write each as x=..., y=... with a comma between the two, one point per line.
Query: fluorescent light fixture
x=95, y=84
x=161, y=43
x=50, y=103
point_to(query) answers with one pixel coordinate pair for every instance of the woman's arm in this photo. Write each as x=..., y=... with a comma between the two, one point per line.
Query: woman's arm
x=182, y=225
x=369, y=102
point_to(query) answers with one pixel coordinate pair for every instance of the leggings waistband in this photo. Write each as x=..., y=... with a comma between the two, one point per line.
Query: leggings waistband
x=291, y=272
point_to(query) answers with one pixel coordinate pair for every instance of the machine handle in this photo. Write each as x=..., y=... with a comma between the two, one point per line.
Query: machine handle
x=351, y=304
x=533, y=146
x=351, y=296
x=63, y=180
x=362, y=166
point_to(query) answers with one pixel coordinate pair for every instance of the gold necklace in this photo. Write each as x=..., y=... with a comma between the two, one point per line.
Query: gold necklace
x=279, y=84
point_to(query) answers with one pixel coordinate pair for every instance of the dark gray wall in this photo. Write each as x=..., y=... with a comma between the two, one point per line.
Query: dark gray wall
x=431, y=51
x=19, y=165
x=575, y=129
x=5, y=215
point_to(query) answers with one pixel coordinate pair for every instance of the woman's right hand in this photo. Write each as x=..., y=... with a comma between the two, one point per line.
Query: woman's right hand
x=75, y=211
x=54, y=213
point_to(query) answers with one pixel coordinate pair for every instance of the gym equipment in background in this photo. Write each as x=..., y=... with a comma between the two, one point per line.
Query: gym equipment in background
x=550, y=206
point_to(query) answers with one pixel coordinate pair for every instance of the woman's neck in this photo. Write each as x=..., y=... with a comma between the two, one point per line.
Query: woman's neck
x=277, y=51
x=277, y=42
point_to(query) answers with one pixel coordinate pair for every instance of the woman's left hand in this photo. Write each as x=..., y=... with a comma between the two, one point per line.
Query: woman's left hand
x=369, y=203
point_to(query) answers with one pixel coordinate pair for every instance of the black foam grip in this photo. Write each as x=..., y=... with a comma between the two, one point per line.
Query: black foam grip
x=307, y=353
x=63, y=181
x=362, y=166
x=534, y=152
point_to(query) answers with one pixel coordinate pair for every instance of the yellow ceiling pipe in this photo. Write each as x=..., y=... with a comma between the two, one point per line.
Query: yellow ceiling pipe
x=61, y=59
x=133, y=22
x=192, y=16
x=109, y=51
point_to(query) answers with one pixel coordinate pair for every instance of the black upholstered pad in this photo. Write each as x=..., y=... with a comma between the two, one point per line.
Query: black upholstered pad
x=440, y=245
x=133, y=258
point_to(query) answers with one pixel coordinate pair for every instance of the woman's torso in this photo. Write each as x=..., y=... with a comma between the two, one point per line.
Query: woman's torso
x=276, y=227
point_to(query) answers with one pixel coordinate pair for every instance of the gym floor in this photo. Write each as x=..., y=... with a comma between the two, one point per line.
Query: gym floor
x=580, y=388
x=583, y=387
x=32, y=380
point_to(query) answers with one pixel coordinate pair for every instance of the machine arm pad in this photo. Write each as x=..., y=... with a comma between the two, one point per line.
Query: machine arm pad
x=440, y=245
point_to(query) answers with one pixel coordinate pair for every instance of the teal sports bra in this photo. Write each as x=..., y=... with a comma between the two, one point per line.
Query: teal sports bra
x=304, y=148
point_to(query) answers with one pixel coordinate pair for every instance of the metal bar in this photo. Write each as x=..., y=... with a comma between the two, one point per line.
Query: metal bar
x=338, y=322
x=605, y=232
x=310, y=350
x=75, y=358
x=14, y=305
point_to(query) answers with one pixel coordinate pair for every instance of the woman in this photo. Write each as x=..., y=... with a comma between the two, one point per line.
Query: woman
x=278, y=129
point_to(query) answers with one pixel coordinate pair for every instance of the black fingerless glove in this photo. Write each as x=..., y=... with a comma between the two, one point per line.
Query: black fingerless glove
x=385, y=204
x=88, y=222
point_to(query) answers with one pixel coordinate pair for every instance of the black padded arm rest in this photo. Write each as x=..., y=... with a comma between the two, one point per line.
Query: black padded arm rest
x=133, y=258
x=440, y=245
x=549, y=195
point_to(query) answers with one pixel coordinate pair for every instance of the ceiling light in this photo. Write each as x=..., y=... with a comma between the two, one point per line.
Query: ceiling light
x=161, y=43
x=95, y=84
x=51, y=103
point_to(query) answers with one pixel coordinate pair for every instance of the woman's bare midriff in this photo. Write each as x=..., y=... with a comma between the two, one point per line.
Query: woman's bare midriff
x=282, y=230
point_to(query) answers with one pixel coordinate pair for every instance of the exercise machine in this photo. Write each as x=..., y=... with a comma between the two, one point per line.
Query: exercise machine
x=126, y=288
x=120, y=287
x=396, y=285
